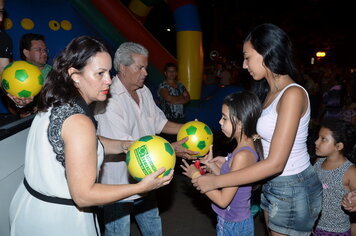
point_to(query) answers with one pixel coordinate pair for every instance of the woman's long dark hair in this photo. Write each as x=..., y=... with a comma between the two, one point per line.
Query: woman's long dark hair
x=274, y=45
x=59, y=88
x=246, y=108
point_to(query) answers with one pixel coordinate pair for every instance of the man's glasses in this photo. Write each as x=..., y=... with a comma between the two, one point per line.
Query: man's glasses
x=44, y=50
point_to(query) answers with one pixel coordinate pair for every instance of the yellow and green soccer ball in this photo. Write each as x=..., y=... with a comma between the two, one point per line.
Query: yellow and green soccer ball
x=22, y=79
x=149, y=153
x=200, y=137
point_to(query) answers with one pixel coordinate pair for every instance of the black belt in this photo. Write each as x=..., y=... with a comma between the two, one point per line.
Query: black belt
x=57, y=200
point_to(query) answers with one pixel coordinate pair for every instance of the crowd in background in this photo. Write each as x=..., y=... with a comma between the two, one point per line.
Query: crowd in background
x=331, y=88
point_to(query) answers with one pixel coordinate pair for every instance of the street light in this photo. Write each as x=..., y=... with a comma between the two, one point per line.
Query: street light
x=321, y=54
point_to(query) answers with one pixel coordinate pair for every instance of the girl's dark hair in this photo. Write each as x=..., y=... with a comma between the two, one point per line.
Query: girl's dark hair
x=274, y=45
x=246, y=108
x=342, y=132
x=59, y=88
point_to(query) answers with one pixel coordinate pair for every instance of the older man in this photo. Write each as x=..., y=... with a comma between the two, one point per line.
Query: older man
x=129, y=114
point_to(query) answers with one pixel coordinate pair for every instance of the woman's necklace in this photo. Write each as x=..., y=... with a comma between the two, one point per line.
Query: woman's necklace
x=271, y=96
x=268, y=99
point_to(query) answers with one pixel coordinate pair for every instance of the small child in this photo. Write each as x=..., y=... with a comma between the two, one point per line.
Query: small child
x=337, y=175
x=240, y=112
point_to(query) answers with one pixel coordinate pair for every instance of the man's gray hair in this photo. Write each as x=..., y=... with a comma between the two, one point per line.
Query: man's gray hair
x=123, y=55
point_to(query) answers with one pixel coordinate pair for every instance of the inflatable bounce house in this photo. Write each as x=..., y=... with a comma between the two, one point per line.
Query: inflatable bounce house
x=113, y=22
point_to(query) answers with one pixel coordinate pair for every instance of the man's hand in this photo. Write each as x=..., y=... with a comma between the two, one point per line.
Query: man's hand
x=125, y=145
x=182, y=151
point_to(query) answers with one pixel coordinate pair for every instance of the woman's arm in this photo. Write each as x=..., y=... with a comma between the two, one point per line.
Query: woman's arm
x=80, y=143
x=349, y=201
x=291, y=108
x=223, y=197
x=186, y=96
x=181, y=99
x=349, y=179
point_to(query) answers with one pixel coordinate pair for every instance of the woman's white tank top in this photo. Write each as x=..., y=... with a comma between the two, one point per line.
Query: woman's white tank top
x=298, y=159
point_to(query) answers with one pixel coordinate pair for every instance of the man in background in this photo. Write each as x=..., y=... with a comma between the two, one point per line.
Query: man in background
x=33, y=49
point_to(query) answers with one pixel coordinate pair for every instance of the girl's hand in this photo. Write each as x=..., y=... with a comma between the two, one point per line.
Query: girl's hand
x=152, y=181
x=209, y=165
x=208, y=157
x=218, y=161
x=189, y=170
x=204, y=183
x=349, y=201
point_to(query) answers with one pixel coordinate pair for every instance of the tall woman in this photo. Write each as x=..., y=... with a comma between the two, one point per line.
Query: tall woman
x=63, y=153
x=291, y=197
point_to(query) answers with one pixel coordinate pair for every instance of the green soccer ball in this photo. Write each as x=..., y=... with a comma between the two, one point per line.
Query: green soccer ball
x=146, y=155
x=200, y=137
x=22, y=79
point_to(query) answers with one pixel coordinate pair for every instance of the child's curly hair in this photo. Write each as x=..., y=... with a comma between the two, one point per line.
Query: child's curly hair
x=342, y=132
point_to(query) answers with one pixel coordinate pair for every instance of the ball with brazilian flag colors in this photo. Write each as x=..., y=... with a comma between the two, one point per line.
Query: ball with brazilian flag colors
x=149, y=153
x=200, y=137
x=22, y=79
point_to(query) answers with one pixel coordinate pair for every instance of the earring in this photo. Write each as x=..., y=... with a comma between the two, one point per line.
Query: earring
x=76, y=81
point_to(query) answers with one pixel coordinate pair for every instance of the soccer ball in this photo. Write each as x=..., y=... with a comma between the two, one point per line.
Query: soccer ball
x=200, y=137
x=22, y=79
x=146, y=155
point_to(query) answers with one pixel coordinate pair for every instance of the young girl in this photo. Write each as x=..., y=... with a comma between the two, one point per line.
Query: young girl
x=337, y=175
x=291, y=198
x=240, y=112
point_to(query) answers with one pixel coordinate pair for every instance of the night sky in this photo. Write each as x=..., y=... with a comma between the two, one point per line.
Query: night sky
x=313, y=25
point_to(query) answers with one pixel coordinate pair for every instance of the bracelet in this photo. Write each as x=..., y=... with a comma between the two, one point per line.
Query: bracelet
x=196, y=175
x=19, y=106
